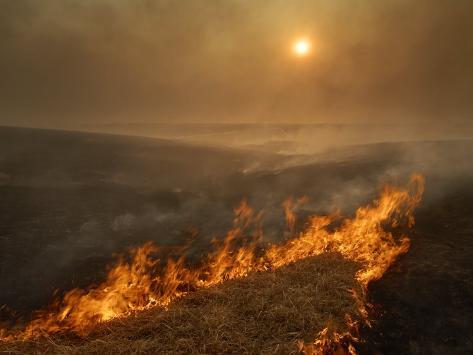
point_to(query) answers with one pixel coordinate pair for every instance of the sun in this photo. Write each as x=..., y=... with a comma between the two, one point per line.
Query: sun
x=301, y=47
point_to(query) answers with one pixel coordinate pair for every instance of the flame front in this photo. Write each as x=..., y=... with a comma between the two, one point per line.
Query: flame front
x=141, y=282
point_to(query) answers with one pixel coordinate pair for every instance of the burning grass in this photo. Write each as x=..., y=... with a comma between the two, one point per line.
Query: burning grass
x=372, y=240
x=262, y=313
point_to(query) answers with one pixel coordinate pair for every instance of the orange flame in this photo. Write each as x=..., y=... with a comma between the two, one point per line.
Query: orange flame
x=142, y=283
x=290, y=206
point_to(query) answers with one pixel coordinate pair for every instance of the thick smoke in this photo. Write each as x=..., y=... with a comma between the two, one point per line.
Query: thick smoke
x=74, y=63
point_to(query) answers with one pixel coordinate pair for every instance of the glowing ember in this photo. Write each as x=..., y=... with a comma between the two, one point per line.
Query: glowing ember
x=140, y=283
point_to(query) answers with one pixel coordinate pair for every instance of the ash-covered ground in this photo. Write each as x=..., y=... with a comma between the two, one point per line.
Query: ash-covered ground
x=69, y=201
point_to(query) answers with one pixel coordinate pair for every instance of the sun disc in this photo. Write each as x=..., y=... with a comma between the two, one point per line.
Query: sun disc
x=301, y=47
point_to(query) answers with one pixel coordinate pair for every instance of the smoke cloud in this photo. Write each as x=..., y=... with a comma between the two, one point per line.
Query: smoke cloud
x=65, y=63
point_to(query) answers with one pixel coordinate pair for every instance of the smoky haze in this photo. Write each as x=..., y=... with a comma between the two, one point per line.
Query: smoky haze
x=68, y=62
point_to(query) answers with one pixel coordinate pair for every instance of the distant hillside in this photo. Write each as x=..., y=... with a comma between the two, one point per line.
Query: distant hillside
x=59, y=158
x=292, y=138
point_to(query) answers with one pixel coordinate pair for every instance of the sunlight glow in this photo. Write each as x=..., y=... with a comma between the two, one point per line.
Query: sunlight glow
x=301, y=47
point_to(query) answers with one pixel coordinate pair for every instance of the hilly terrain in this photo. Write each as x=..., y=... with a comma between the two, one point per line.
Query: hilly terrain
x=70, y=201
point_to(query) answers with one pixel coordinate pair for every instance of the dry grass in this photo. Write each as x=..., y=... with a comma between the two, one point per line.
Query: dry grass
x=262, y=313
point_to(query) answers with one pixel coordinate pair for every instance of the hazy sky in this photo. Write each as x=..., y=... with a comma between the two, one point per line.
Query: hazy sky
x=64, y=62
